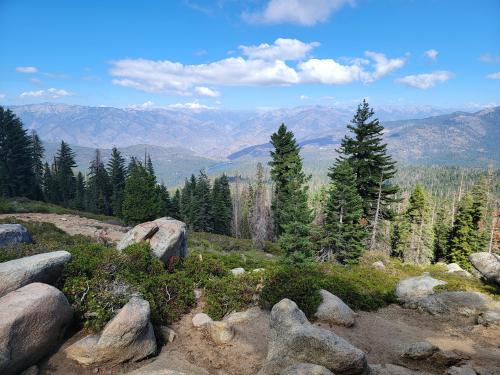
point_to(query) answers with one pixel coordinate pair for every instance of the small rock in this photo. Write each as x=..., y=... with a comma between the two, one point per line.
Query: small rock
x=201, y=319
x=489, y=318
x=306, y=369
x=238, y=271
x=198, y=293
x=259, y=270
x=379, y=265
x=447, y=358
x=413, y=288
x=221, y=332
x=242, y=316
x=420, y=350
x=333, y=310
x=462, y=370
x=13, y=234
x=456, y=269
x=169, y=335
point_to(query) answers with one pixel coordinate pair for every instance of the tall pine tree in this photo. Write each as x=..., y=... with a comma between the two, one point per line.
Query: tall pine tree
x=462, y=237
x=98, y=187
x=65, y=179
x=203, y=208
x=222, y=206
x=117, y=176
x=37, y=150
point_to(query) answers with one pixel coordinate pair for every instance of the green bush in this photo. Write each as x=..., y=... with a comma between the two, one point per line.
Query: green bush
x=201, y=267
x=301, y=284
x=230, y=293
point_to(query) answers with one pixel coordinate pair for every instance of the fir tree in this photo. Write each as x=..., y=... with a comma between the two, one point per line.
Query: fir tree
x=50, y=190
x=292, y=216
x=176, y=205
x=343, y=237
x=202, y=208
x=98, y=187
x=66, y=182
x=117, y=176
x=16, y=170
x=222, y=206
x=37, y=150
x=164, y=200
x=441, y=233
x=140, y=201
x=462, y=237
x=373, y=167
x=80, y=198
x=479, y=195
x=188, y=201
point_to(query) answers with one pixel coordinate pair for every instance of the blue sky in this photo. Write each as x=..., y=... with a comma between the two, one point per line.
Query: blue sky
x=253, y=54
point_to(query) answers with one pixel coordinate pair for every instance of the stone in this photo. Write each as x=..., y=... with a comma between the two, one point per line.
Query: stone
x=33, y=370
x=242, y=316
x=414, y=288
x=457, y=270
x=463, y=303
x=197, y=293
x=201, y=319
x=447, y=358
x=238, y=271
x=488, y=265
x=166, y=236
x=462, y=370
x=379, y=265
x=221, y=332
x=169, y=363
x=306, y=369
x=33, y=320
x=43, y=268
x=390, y=369
x=294, y=340
x=488, y=318
x=127, y=337
x=13, y=234
x=168, y=334
x=419, y=350
x=333, y=310
x=487, y=370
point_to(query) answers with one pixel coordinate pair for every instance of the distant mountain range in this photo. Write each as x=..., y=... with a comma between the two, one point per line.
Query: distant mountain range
x=183, y=141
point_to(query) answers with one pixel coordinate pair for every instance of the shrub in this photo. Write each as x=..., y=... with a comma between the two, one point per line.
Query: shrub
x=200, y=268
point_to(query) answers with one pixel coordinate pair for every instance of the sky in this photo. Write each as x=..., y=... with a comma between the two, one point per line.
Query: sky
x=250, y=54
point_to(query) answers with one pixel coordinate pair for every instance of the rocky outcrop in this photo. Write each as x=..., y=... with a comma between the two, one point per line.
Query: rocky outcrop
x=306, y=369
x=455, y=269
x=169, y=363
x=414, y=288
x=13, y=234
x=334, y=311
x=201, y=320
x=221, y=332
x=488, y=265
x=294, y=340
x=419, y=350
x=33, y=320
x=167, y=238
x=44, y=268
x=128, y=336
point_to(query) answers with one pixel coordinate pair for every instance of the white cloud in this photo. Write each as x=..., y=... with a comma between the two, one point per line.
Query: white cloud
x=281, y=49
x=301, y=12
x=26, y=69
x=49, y=93
x=303, y=97
x=2, y=96
x=190, y=105
x=426, y=80
x=493, y=75
x=431, y=54
x=206, y=91
x=264, y=65
x=490, y=59
x=146, y=105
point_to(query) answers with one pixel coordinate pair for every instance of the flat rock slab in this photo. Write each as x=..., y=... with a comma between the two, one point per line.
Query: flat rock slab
x=44, y=268
x=13, y=234
x=33, y=320
x=170, y=363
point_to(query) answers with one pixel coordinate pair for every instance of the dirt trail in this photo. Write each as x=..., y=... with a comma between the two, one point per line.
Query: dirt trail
x=73, y=224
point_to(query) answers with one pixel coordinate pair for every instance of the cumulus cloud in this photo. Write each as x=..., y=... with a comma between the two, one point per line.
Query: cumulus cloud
x=431, y=54
x=426, y=80
x=281, y=49
x=49, y=93
x=262, y=65
x=493, y=75
x=299, y=12
x=146, y=105
x=26, y=69
x=206, y=91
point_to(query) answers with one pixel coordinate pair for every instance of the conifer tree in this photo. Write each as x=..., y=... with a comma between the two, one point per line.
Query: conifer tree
x=292, y=216
x=202, y=208
x=479, y=195
x=176, y=205
x=80, y=197
x=66, y=181
x=98, y=187
x=164, y=200
x=441, y=233
x=140, y=201
x=117, y=176
x=462, y=238
x=373, y=167
x=16, y=170
x=260, y=213
x=222, y=206
x=37, y=150
x=344, y=236
x=188, y=201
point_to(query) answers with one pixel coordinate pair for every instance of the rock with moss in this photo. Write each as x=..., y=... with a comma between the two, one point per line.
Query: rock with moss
x=44, y=268
x=127, y=337
x=167, y=238
x=13, y=234
x=33, y=320
x=414, y=288
x=334, y=311
x=488, y=265
x=294, y=340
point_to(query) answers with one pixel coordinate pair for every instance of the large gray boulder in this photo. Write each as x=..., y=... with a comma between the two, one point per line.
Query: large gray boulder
x=167, y=238
x=44, y=268
x=333, y=310
x=414, y=288
x=13, y=234
x=169, y=363
x=128, y=336
x=455, y=269
x=488, y=265
x=33, y=320
x=294, y=340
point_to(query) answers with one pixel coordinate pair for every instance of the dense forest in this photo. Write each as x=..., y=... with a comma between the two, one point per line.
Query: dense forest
x=418, y=214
